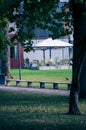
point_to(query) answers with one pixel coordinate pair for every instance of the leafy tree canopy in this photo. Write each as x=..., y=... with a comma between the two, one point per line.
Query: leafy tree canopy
x=29, y=14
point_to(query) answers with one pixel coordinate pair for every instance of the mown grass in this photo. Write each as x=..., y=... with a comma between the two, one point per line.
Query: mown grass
x=20, y=111
x=44, y=75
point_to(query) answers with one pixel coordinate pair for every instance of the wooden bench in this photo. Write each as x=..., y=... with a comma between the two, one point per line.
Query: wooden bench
x=18, y=82
x=41, y=83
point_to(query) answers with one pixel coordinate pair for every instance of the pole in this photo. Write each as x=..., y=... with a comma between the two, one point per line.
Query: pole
x=19, y=61
x=50, y=53
x=69, y=57
x=44, y=56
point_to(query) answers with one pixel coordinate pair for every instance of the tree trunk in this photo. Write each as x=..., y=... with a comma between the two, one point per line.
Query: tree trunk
x=82, y=79
x=3, y=66
x=79, y=50
x=5, y=63
x=8, y=62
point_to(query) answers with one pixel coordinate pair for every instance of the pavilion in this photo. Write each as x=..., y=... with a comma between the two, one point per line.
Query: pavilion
x=50, y=44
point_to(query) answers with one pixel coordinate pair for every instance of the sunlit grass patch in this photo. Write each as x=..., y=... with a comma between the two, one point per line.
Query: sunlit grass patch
x=43, y=75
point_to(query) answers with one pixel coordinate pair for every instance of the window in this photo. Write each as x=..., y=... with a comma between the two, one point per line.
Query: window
x=14, y=51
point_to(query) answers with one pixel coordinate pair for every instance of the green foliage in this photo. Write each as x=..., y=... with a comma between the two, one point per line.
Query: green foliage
x=29, y=14
x=6, y=9
x=4, y=40
x=3, y=23
x=45, y=15
x=79, y=1
x=36, y=14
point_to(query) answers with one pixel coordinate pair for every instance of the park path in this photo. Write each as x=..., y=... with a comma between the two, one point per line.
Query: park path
x=34, y=90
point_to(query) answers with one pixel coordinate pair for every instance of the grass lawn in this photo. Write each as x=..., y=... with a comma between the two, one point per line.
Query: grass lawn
x=43, y=75
x=20, y=111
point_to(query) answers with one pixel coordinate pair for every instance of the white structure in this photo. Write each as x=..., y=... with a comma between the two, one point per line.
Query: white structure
x=64, y=0
x=48, y=50
x=52, y=43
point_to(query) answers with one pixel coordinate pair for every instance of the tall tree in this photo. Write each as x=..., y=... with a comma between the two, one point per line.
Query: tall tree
x=79, y=55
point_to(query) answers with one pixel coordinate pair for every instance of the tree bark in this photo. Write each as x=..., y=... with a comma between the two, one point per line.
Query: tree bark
x=8, y=62
x=5, y=63
x=79, y=50
x=82, y=79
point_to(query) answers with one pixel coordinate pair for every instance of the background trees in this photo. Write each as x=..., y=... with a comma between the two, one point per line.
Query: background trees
x=31, y=14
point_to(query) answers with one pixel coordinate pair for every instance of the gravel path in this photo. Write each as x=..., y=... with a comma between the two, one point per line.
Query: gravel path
x=34, y=90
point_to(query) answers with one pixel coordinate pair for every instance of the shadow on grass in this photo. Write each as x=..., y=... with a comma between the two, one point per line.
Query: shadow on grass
x=37, y=112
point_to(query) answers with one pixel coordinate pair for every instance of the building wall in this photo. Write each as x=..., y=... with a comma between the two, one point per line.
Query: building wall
x=17, y=61
x=16, y=52
x=56, y=55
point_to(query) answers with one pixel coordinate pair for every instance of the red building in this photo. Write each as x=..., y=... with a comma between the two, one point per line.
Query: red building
x=16, y=55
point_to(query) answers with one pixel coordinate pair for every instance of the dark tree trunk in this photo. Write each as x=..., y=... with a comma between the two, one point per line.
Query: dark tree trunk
x=3, y=67
x=82, y=79
x=8, y=62
x=5, y=64
x=79, y=50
